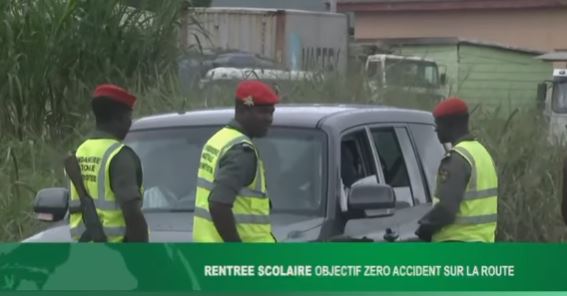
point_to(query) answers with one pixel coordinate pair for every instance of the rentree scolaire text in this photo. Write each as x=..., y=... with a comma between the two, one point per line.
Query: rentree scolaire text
x=359, y=271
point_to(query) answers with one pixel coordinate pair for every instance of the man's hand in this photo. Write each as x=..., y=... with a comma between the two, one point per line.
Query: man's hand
x=423, y=233
x=223, y=218
x=136, y=226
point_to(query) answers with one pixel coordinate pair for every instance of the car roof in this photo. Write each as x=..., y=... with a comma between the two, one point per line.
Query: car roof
x=296, y=115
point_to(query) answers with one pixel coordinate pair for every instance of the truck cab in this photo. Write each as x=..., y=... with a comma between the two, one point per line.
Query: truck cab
x=552, y=99
x=553, y=95
x=396, y=76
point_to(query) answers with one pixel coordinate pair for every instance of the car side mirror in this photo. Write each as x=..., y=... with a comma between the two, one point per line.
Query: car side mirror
x=367, y=194
x=541, y=95
x=51, y=204
x=443, y=79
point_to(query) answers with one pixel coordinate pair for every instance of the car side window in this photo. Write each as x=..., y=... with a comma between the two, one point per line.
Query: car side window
x=430, y=152
x=418, y=188
x=399, y=164
x=356, y=158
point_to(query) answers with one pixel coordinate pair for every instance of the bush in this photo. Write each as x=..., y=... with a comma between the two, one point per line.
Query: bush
x=53, y=53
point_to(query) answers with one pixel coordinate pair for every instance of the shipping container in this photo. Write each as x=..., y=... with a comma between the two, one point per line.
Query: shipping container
x=300, y=40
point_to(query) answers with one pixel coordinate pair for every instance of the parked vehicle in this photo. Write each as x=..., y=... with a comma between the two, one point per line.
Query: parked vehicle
x=219, y=83
x=552, y=98
x=401, y=76
x=340, y=172
x=193, y=68
x=244, y=60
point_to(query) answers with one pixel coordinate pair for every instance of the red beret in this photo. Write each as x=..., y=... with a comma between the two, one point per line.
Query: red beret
x=115, y=93
x=450, y=106
x=254, y=92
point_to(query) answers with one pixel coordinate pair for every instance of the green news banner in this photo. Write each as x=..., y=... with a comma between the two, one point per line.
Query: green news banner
x=283, y=268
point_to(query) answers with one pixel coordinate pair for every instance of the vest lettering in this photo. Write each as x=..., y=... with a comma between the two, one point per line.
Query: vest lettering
x=208, y=157
x=89, y=178
x=87, y=167
x=207, y=168
x=212, y=150
x=90, y=159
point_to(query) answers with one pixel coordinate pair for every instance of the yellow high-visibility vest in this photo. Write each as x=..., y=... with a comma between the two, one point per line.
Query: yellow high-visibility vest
x=94, y=156
x=477, y=215
x=251, y=207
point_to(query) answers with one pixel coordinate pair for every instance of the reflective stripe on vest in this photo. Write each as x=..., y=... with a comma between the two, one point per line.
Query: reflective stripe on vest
x=477, y=215
x=238, y=218
x=251, y=207
x=257, y=192
x=96, y=155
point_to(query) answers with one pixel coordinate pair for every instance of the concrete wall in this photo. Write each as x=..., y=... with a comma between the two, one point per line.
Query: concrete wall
x=539, y=29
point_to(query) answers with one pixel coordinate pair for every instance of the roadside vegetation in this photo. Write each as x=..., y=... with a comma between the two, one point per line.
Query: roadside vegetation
x=55, y=52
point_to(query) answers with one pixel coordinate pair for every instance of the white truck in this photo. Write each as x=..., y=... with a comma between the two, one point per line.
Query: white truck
x=395, y=75
x=219, y=83
x=552, y=98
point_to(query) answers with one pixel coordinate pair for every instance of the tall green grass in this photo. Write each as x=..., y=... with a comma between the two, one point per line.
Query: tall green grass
x=52, y=54
x=530, y=174
x=55, y=52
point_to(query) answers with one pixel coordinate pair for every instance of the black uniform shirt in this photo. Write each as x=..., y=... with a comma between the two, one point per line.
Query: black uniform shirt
x=237, y=169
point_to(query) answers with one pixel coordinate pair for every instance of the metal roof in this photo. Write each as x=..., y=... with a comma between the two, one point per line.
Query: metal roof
x=313, y=5
x=379, y=56
x=395, y=1
x=558, y=56
x=438, y=5
x=443, y=41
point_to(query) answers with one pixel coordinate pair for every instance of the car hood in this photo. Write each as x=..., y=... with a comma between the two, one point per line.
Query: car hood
x=177, y=227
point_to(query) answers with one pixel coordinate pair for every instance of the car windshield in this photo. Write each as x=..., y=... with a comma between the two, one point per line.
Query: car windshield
x=408, y=72
x=560, y=97
x=293, y=158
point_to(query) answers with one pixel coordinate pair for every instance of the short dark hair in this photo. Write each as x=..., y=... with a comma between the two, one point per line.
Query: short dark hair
x=105, y=109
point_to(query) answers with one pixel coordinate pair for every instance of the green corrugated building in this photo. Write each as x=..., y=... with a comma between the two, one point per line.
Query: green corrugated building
x=480, y=72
